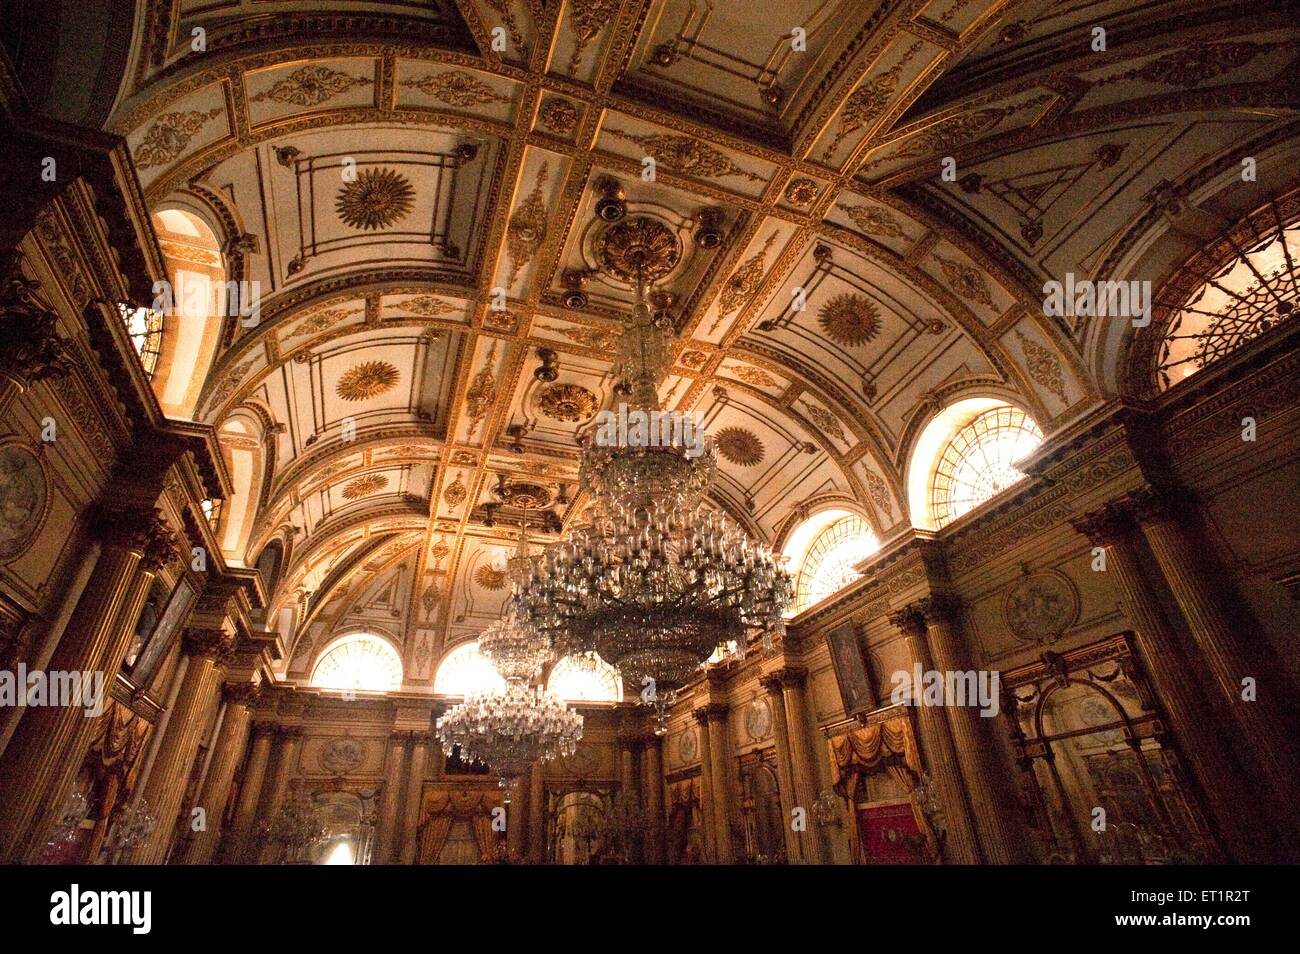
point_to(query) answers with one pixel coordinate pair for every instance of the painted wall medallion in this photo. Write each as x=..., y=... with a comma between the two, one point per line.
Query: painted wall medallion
x=24, y=499
x=687, y=746
x=758, y=720
x=1041, y=606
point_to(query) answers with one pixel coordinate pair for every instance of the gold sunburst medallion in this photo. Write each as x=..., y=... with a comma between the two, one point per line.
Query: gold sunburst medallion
x=567, y=402
x=376, y=199
x=366, y=380
x=740, y=446
x=490, y=578
x=850, y=320
x=365, y=486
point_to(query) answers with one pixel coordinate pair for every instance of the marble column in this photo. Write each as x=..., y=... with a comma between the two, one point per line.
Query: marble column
x=801, y=761
x=227, y=751
x=961, y=845
x=288, y=745
x=238, y=843
x=208, y=651
x=536, y=816
x=389, y=797
x=652, y=786
x=784, y=774
x=1266, y=727
x=993, y=799
x=1174, y=679
x=409, y=838
x=723, y=801
x=49, y=743
x=707, y=812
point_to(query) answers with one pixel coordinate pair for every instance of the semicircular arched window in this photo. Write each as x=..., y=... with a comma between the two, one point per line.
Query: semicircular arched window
x=1255, y=290
x=978, y=462
x=465, y=670
x=145, y=326
x=585, y=678
x=360, y=661
x=828, y=566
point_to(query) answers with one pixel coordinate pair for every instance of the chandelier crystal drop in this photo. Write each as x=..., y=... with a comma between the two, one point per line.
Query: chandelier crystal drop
x=657, y=580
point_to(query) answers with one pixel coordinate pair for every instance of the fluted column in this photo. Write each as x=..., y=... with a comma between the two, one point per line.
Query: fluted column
x=706, y=785
x=227, y=752
x=652, y=784
x=390, y=795
x=1266, y=730
x=239, y=843
x=993, y=801
x=288, y=744
x=784, y=774
x=208, y=651
x=801, y=762
x=536, y=816
x=1200, y=740
x=49, y=743
x=414, y=795
x=961, y=846
x=723, y=802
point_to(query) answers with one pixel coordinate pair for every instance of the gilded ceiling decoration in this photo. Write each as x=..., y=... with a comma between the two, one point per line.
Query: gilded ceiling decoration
x=639, y=248
x=377, y=199
x=478, y=166
x=169, y=135
x=559, y=116
x=850, y=319
x=687, y=155
x=490, y=578
x=739, y=445
x=456, y=88
x=569, y=403
x=527, y=228
x=311, y=86
x=872, y=220
x=364, y=486
x=367, y=380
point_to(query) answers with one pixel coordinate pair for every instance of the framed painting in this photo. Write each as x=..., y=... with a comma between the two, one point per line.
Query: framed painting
x=850, y=670
x=178, y=607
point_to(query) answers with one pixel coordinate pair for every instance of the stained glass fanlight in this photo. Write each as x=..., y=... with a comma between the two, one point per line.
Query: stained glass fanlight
x=359, y=661
x=979, y=461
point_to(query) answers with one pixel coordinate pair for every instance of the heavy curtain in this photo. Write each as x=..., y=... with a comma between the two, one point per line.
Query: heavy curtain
x=442, y=806
x=885, y=746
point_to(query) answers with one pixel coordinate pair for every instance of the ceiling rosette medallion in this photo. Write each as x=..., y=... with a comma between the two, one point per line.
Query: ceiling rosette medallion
x=850, y=320
x=376, y=199
x=365, y=486
x=740, y=446
x=642, y=248
x=569, y=403
x=367, y=380
x=490, y=578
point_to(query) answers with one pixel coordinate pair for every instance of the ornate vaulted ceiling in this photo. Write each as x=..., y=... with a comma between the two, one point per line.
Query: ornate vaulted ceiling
x=782, y=177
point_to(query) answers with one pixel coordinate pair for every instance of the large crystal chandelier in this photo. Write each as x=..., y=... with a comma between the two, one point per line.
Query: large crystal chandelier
x=512, y=728
x=656, y=581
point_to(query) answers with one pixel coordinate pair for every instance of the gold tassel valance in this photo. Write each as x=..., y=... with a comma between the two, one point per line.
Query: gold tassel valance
x=887, y=744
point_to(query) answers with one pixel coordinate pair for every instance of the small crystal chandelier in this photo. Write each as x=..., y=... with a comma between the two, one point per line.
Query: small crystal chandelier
x=513, y=728
x=297, y=826
x=656, y=581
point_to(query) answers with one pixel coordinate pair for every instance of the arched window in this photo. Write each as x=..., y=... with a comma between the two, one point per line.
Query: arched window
x=1252, y=292
x=585, y=678
x=464, y=670
x=359, y=661
x=828, y=563
x=978, y=461
x=145, y=326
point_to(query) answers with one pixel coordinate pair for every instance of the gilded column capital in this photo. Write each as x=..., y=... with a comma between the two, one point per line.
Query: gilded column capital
x=1105, y=525
x=209, y=643
x=791, y=676
x=771, y=682
x=262, y=728
x=289, y=733
x=141, y=530
x=909, y=620
x=1150, y=505
x=241, y=694
x=938, y=608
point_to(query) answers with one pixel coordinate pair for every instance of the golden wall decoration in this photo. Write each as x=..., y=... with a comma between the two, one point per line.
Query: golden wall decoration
x=588, y=18
x=490, y=578
x=687, y=155
x=426, y=306
x=745, y=280
x=1042, y=365
x=824, y=419
x=376, y=199
x=873, y=221
x=639, y=248
x=559, y=116
x=367, y=380
x=966, y=281
x=801, y=192
x=455, y=493
x=169, y=135
x=527, y=227
x=755, y=376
